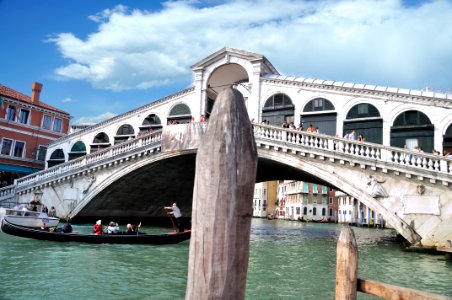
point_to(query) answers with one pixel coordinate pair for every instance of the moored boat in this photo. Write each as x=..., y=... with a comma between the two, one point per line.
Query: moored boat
x=58, y=236
x=28, y=218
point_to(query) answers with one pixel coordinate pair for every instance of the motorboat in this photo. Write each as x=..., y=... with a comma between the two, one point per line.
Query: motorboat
x=119, y=238
x=29, y=218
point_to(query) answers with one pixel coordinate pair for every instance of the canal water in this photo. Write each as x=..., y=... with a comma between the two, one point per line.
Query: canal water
x=288, y=260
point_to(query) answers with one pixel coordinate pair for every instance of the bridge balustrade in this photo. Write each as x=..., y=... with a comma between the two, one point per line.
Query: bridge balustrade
x=365, y=150
x=102, y=155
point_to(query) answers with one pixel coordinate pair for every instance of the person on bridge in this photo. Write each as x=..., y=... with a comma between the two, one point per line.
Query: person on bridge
x=175, y=211
x=97, y=228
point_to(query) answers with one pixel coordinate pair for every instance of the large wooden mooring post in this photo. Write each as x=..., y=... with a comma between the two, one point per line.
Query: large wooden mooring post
x=226, y=165
x=346, y=265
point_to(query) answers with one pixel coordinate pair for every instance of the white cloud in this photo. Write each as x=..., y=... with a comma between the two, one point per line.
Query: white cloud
x=67, y=100
x=94, y=119
x=369, y=41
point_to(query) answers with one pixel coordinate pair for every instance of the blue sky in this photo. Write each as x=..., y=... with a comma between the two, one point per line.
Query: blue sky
x=101, y=58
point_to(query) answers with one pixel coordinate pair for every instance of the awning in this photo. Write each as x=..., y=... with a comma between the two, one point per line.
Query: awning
x=18, y=169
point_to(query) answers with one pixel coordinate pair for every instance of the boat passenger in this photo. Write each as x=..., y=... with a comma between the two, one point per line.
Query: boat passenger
x=67, y=228
x=113, y=228
x=97, y=228
x=52, y=212
x=131, y=229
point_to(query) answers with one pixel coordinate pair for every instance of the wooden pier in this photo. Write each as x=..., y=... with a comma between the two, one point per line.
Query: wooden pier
x=348, y=283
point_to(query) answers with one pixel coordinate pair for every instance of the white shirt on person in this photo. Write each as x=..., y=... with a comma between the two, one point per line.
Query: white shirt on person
x=176, y=212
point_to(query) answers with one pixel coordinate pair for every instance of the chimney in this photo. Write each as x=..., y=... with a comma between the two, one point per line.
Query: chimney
x=35, y=92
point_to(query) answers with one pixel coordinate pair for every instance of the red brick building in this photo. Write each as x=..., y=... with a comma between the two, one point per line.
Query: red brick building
x=27, y=126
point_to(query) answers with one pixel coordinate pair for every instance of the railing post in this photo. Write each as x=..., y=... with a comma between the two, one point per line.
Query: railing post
x=346, y=265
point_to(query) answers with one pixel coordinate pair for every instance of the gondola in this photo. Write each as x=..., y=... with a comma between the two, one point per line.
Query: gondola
x=140, y=238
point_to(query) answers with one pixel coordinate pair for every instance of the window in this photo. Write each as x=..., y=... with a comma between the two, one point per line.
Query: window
x=19, y=148
x=41, y=155
x=314, y=188
x=6, y=146
x=23, y=117
x=331, y=200
x=46, y=122
x=305, y=210
x=314, y=211
x=324, y=199
x=305, y=198
x=11, y=113
x=57, y=125
x=323, y=211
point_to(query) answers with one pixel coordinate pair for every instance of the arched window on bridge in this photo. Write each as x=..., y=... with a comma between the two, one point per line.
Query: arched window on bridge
x=412, y=128
x=100, y=141
x=151, y=123
x=365, y=119
x=179, y=114
x=77, y=150
x=124, y=133
x=277, y=109
x=447, y=140
x=320, y=112
x=56, y=158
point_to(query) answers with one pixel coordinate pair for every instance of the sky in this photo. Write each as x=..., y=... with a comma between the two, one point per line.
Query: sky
x=98, y=59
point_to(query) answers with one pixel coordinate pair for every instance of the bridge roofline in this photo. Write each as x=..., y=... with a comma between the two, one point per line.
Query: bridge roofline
x=118, y=117
x=408, y=94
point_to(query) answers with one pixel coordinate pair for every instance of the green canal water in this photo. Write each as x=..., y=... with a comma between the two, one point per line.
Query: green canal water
x=288, y=260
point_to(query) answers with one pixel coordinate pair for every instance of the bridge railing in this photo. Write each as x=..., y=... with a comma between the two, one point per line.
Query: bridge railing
x=365, y=150
x=7, y=192
x=92, y=158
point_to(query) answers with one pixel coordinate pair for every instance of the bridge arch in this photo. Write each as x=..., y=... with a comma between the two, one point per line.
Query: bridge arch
x=412, y=128
x=123, y=133
x=100, y=141
x=447, y=140
x=151, y=122
x=78, y=149
x=179, y=113
x=222, y=77
x=364, y=118
x=57, y=157
x=321, y=113
x=277, y=109
x=353, y=188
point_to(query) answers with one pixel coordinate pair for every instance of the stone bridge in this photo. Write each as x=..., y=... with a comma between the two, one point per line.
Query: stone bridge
x=137, y=178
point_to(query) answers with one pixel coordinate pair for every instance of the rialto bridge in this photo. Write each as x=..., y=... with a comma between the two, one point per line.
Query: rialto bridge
x=127, y=166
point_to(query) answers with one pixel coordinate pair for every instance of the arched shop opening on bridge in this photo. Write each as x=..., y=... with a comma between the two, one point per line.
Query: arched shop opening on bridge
x=365, y=119
x=223, y=77
x=278, y=109
x=179, y=114
x=447, y=141
x=100, y=141
x=413, y=129
x=321, y=114
x=124, y=133
x=150, y=123
x=77, y=150
x=57, y=157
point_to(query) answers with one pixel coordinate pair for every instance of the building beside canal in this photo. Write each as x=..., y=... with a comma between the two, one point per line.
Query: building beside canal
x=27, y=125
x=312, y=201
x=352, y=211
x=265, y=198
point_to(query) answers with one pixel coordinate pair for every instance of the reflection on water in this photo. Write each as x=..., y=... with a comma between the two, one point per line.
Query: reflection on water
x=288, y=260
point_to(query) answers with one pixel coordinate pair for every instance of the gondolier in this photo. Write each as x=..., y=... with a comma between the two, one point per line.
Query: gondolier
x=175, y=211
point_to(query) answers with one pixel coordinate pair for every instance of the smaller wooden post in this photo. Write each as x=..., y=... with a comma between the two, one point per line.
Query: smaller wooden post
x=346, y=265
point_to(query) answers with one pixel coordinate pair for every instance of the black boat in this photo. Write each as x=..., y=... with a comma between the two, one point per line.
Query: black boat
x=140, y=238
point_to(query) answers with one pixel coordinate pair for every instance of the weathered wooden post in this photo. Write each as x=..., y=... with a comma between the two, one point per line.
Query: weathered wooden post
x=346, y=265
x=226, y=166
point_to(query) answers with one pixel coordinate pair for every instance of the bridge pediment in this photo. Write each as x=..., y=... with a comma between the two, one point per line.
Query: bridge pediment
x=226, y=55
